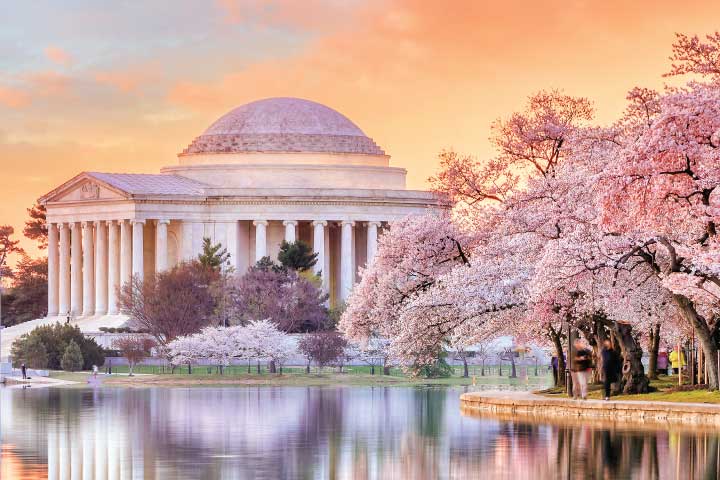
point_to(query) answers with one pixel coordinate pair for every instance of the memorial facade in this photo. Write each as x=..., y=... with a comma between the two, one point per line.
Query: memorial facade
x=271, y=170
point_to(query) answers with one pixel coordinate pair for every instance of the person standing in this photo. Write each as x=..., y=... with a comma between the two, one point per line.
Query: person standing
x=677, y=359
x=610, y=366
x=580, y=371
x=554, y=366
x=662, y=361
x=23, y=369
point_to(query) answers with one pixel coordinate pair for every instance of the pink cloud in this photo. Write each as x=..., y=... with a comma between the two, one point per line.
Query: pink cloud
x=58, y=55
x=13, y=98
x=128, y=80
x=48, y=83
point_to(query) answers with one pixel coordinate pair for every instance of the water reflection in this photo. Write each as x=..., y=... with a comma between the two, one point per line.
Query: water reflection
x=359, y=433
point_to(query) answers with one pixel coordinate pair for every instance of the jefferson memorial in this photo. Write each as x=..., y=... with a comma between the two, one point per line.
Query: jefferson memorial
x=271, y=170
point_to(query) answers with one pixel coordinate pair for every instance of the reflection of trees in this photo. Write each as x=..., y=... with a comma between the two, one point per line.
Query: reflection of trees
x=362, y=433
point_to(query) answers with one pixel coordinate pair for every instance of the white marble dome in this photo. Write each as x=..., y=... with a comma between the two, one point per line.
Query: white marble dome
x=283, y=125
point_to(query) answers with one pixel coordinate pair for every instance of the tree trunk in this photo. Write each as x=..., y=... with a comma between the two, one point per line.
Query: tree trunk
x=248, y=366
x=189, y=369
x=705, y=336
x=307, y=368
x=386, y=370
x=372, y=369
x=633, y=373
x=513, y=372
x=557, y=343
x=654, y=349
x=273, y=369
x=482, y=369
x=258, y=367
x=131, y=370
x=466, y=373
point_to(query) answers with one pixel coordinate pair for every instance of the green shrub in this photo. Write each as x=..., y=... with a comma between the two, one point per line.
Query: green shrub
x=72, y=359
x=55, y=340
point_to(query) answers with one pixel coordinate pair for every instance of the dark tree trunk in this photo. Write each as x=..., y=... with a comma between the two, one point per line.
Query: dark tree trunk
x=705, y=336
x=258, y=367
x=386, y=370
x=466, y=373
x=654, y=349
x=633, y=372
x=273, y=369
x=248, y=366
x=189, y=369
x=482, y=369
x=513, y=371
x=372, y=369
x=307, y=368
x=557, y=343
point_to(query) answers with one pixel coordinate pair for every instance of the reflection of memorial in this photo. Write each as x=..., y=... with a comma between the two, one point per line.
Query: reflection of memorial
x=359, y=433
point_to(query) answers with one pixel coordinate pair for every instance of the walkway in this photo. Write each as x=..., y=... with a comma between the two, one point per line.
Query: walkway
x=541, y=407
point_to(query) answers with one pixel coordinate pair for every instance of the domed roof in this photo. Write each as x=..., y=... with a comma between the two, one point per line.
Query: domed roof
x=283, y=125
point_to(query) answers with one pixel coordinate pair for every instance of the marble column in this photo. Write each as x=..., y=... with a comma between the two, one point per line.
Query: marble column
x=53, y=274
x=76, y=268
x=101, y=268
x=319, y=248
x=113, y=267
x=346, y=259
x=161, y=245
x=64, y=267
x=290, y=230
x=372, y=237
x=125, y=251
x=88, y=269
x=260, y=239
x=138, y=261
x=231, y=239
x=187, y=238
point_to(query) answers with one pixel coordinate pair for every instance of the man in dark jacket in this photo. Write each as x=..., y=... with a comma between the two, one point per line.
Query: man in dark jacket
x=610, y=366
x=580, y=369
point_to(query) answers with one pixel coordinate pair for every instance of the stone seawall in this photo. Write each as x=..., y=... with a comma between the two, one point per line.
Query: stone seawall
x=537, y=407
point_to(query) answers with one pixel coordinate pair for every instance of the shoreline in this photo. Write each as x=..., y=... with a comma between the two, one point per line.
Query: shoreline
x=526, y=405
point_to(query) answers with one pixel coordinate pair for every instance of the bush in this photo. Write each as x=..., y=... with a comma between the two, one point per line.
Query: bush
x=55, y=340
x=72, y=359
x=437, y=369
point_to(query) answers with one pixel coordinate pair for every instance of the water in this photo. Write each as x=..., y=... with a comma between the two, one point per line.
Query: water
x=294, y=432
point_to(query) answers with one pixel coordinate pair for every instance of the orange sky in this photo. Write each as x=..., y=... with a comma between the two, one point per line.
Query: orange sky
x=124, y=88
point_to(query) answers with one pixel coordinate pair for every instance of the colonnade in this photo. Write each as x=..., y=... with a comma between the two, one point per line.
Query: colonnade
x=89, y=261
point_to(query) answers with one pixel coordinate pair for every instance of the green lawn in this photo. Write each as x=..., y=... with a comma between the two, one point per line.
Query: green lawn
x=293, y=376
x=664, y=390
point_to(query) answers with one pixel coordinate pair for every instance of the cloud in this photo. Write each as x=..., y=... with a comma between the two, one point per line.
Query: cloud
x=48, y=83
x=58, y=55
x=129, y=80
x=14, y=98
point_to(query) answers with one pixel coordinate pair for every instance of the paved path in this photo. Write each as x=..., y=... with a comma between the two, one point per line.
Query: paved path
x=36, y=382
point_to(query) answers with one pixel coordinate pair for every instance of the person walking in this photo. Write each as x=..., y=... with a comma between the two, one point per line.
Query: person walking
x=554, y=366
x=23, y=369
x=580, y=371
x=610, y=366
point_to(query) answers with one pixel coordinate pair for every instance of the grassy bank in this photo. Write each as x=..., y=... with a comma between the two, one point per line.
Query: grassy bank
x=664, y=389
x=296, y=376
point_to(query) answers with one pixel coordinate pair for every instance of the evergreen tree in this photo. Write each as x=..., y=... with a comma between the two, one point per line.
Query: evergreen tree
x=265, y=264
x=297, y=256
x=214, y=256
x=36, y=227
x=72, y=359
x=35, y=353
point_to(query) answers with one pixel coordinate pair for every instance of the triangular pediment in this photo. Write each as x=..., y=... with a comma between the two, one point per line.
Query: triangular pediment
x=84, y=188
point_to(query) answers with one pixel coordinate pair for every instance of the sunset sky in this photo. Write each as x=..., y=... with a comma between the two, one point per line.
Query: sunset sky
x=124, y=86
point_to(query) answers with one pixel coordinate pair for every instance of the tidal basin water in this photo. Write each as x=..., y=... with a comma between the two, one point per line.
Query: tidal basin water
x=308, y=433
